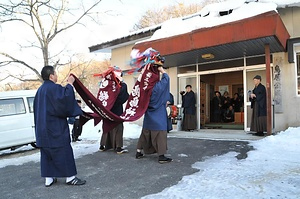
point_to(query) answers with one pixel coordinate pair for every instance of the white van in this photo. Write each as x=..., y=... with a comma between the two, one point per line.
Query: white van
x=16, y=119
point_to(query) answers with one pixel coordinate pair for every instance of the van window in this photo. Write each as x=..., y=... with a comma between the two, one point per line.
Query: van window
x=12, y=107
x=30, y=103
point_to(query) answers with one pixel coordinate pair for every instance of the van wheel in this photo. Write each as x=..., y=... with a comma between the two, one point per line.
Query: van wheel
x=33, y=145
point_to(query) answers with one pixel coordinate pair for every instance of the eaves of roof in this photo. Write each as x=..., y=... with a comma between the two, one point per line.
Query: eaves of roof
x=130, y=39
x=246, y=37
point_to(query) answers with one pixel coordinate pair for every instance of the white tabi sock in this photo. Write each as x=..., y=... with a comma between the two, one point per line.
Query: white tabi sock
x=48, y=181
x=68, y=179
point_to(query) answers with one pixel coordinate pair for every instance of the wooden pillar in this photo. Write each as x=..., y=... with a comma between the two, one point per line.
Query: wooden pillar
x=268, y=89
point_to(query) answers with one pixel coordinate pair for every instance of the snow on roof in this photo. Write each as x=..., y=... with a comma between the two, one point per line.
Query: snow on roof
x=209, y=16
x=217, y=14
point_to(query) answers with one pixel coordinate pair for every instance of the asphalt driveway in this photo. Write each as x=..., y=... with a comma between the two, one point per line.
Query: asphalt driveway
x=110, y=175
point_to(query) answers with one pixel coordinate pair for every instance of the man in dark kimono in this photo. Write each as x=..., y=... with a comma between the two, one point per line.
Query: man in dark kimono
x=258, y=99
x=153, y=138
x=189, y=109
x=114, y=138
x=52, y=105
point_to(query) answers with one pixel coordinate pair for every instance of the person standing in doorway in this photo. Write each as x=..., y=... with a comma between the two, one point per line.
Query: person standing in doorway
x=217, y=104
x=258, y=101
x=53, y=104
x=189, y=109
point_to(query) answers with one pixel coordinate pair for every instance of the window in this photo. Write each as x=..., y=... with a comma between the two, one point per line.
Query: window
x=298, y=72
x=12, y=107
x=30, y=104
x=186, y=69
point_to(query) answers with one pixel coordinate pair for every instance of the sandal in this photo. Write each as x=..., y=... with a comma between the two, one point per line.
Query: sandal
x=76, y=181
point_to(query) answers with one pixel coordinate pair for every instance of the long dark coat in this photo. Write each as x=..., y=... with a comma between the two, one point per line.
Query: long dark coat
x=188, y=103
x=53, y=104
x=259, y=106
x=189, y=111
x=261, y=100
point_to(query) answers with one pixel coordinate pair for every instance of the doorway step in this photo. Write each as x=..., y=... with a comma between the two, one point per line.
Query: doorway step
x=237, y=126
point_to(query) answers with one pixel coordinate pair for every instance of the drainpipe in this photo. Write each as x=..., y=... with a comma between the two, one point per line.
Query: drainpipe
x=268, y=89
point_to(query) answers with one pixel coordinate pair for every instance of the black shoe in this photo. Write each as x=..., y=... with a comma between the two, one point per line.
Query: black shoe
x=76, y=181
x=120, y=150
x=163, y=159
x=77, y=139
x=102, y=148
x=54, y=181
x=259, y=134
x=139, y=155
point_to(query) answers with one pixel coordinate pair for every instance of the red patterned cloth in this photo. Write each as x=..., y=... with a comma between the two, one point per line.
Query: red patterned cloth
x=137, y=103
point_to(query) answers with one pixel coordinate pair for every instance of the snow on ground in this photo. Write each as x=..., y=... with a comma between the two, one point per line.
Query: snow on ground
x=270, y=171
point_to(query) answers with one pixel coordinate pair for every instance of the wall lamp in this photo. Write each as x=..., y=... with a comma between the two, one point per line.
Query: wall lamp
x=208, y=56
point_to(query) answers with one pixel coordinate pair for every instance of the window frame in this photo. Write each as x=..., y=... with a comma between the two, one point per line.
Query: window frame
x=14, y=113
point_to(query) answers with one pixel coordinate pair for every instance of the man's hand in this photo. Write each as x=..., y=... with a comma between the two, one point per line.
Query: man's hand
x=161, y=69
x=71, y=79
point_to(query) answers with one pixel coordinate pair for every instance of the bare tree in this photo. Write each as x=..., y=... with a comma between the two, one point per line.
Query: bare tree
x=46, y=19
x=157, y=16
x=85, y=71
x=154, y=17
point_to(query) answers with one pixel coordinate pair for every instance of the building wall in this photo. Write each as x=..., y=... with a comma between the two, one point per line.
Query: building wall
x=121, y=57
x=172, y=72
x=291, y=18
x=290, y=116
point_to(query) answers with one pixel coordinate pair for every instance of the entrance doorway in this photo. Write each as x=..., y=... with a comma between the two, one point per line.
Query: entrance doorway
x=226, y=111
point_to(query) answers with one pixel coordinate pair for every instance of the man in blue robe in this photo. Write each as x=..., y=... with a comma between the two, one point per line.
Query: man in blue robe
x=153, y=138
x=53, y=104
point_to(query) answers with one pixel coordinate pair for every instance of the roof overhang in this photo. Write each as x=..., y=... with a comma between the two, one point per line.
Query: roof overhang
x=246, y=37
x=124, y=41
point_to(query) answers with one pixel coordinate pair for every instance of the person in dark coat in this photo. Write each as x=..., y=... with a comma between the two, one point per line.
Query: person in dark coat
x=225, y=104
x=170, y=102
x=189, y=109
x=217, y=104
x=258, y=99
x=229, y=115
x=153, y=138
x=114, y=138
x=53, y=104
x=236, y=102
x=77, y=127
